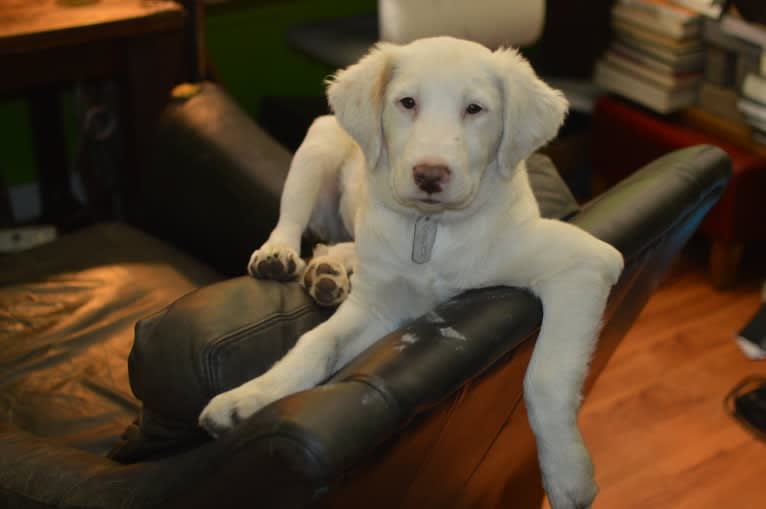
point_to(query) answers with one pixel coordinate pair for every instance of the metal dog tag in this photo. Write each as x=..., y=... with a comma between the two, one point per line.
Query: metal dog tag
x=423, y=239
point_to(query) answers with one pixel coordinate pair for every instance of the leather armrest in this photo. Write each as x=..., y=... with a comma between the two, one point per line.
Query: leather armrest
x=639, y=211
x=215, y=180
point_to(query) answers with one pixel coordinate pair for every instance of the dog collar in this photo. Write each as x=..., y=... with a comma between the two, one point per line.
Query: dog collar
x=423, y=238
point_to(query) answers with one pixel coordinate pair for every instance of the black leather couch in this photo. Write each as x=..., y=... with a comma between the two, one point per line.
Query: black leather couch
x=432, y=424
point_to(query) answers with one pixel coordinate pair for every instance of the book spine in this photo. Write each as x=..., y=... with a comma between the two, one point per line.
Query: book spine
x=663, y=10
x=711, y=8
x=720, y=66
x=713, y=34
x=754, y=87
x=753, y=111
x=647, y=23
x=633, y=87
x=742, y=29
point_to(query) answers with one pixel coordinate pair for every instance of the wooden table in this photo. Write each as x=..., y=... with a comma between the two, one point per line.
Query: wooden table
x=49, y=44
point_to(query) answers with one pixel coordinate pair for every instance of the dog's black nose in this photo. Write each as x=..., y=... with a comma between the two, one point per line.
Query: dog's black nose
x=430, y=178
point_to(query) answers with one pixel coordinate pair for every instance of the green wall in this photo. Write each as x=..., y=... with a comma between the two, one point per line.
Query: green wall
x=16, y=163
x=246, y=45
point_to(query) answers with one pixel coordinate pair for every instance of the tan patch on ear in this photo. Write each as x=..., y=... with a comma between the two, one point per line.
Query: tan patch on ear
x=356, y=94
x=377, y=93
x=380, y=84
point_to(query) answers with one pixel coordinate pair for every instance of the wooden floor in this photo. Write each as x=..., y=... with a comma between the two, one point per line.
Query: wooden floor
x=655, y=421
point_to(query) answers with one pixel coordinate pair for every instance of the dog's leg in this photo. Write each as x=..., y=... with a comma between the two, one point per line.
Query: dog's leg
x=553, y=383
x=279, y=257
x=573, y=278
x=313, y=169
x=327, y=275
x=316, y=355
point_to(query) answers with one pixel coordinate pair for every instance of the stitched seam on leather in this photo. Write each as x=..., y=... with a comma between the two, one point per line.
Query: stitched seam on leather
x=233, y=338
x=274, y=317
x=375, y=383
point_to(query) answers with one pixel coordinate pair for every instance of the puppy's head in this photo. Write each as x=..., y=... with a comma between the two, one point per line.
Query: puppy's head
x=433, y=116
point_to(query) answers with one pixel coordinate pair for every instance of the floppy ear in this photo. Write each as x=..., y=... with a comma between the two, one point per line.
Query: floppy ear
x=356, y=95
x=533, y=112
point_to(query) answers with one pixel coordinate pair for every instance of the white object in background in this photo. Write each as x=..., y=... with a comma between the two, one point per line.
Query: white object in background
x=493, y=23
x=25, y=198
x=750, y=349
x=13, y=240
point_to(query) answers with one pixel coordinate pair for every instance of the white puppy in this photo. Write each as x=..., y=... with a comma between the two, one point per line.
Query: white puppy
x=424, y=165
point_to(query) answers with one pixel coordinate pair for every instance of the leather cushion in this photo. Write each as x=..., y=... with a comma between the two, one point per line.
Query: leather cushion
x=553, y=196
x=67, y=311
x=207, y=342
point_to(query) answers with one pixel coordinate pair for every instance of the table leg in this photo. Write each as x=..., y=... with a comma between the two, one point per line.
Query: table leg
x=725, y=259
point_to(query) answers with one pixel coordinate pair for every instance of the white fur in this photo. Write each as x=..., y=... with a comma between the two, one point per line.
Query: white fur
x=354, y=173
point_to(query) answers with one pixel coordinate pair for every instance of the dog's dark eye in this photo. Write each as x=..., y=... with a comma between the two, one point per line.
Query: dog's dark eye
x=473, y=109
x=407, y=102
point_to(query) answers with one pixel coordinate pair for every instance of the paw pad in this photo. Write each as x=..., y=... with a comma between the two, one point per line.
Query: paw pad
x=277, y=263
x=326, y=281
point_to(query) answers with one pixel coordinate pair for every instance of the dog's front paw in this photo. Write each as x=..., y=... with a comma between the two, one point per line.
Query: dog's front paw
x=228, y=409
x=275, y=261
x=326, y=281
x=568, y=478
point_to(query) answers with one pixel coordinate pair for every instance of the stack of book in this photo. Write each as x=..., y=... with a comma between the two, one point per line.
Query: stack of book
x=732, y=98
x=752, y=104
x=656, y=58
